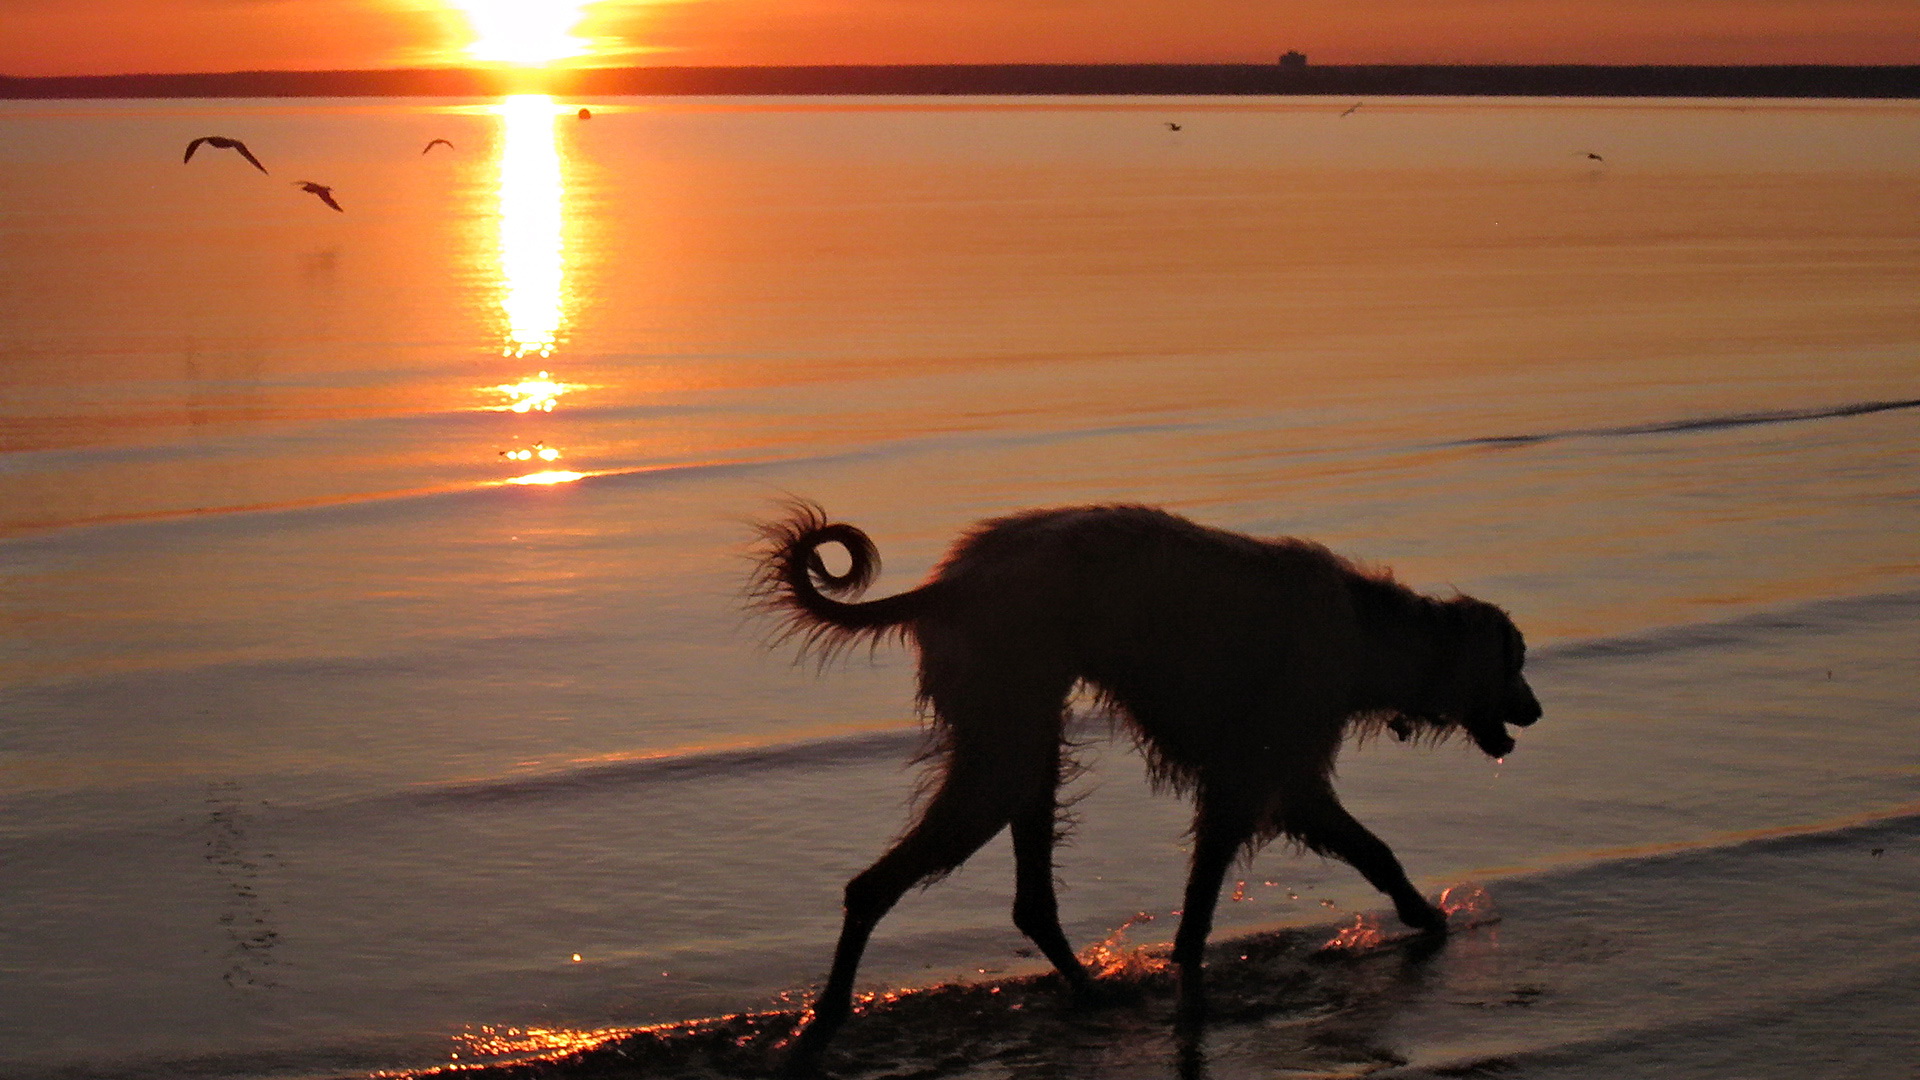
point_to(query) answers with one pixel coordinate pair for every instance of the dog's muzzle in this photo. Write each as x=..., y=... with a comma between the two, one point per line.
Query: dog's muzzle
x=1494, y=743
x=1489, y=731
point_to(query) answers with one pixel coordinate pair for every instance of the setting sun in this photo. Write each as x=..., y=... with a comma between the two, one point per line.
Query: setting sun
x=530, y=32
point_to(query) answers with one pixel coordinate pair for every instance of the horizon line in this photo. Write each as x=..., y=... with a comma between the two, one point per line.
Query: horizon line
x=504, y=68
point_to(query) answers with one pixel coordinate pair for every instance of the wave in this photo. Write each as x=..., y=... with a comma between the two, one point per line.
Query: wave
x=1826, y=615
x=642, y=472
x=893, y=744
x=1697, y=423
x=368, y=429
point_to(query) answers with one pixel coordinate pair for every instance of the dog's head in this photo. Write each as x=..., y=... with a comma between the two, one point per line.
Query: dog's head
x=1483, y=689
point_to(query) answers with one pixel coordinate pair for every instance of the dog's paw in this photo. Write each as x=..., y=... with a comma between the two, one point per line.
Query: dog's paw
x=1422, y=916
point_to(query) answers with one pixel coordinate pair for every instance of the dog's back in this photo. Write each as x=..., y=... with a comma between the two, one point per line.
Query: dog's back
x=1174, y=622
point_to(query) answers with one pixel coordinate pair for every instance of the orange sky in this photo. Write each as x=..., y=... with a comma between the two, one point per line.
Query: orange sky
x=49, y=37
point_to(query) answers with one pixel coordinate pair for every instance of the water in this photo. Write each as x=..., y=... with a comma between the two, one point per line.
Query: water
x=326, y=747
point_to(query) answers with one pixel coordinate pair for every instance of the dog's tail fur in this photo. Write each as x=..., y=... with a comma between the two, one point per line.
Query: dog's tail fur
x=793, y=581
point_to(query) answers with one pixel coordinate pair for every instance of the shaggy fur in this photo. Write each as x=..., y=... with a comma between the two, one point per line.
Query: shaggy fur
x=1238, y=664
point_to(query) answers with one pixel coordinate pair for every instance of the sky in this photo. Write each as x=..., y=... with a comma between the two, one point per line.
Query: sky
x=82, y=37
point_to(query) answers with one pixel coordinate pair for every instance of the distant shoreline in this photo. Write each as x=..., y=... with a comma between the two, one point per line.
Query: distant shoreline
x=1770, y=81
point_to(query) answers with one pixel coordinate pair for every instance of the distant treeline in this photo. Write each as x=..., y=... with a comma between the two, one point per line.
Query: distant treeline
x=1808, y=81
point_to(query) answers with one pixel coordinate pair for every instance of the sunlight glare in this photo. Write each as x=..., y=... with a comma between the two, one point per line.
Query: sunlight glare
x=529, y=32
x=556, y=476
x=488, y=1041
x=532, y=256
x=537, y=450
x=538, y=394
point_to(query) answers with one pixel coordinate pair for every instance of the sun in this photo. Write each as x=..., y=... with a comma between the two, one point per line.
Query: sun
x=529, y=32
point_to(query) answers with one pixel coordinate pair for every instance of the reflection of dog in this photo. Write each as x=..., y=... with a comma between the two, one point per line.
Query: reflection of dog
x=1239, y=664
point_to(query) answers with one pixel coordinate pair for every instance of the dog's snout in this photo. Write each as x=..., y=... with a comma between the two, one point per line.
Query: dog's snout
x=1526, y=707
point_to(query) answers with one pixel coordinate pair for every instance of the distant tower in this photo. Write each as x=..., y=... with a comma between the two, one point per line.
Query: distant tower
x=1292, y=59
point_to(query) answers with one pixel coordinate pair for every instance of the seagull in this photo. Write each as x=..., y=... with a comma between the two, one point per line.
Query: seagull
x=1171, y=126
x=1352, y=107
x=221, y=142
x=1595, y=156
x=322, y=190
x=438, y=142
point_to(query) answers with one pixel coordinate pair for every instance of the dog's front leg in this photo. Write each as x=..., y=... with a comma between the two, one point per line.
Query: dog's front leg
x=1316, y=818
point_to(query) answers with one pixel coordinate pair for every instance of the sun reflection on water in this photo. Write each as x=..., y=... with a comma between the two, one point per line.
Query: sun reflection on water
x=489, y=1041
x=532, y=251
x=552, y=476
x=539, y=394
x=528, y=453
x=533, y=266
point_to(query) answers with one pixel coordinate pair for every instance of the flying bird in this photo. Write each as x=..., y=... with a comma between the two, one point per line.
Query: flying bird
x=438, y=142
x=322, y=190
x=1352, y=107
x=1595, y=156
x=1171, y=126
x=221, y=142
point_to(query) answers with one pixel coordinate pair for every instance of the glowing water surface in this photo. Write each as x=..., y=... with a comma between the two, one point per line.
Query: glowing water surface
x=324, y=747
x=532, y=249
x=533, y=263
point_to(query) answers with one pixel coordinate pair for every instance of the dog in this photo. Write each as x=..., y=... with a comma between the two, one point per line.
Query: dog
x=1239, y=665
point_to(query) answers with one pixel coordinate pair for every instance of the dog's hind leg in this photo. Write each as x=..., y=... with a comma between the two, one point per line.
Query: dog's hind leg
x=997, y=762
x=1315, y=817
x=1036, y=910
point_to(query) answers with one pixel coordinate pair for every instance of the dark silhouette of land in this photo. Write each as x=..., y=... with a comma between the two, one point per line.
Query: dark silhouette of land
x=1369, y=80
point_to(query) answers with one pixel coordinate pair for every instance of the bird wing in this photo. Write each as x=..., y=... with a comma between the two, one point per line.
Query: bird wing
x=438, y=142
x=248, y=154
x=191, y=147
x=326, y=196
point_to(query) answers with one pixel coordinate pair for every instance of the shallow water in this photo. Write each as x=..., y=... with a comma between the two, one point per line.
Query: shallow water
x=325, y=746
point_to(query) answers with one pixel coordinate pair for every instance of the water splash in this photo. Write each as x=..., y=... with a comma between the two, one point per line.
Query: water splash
x=1468, y=905
x=1111, y=957
x=1365, y=933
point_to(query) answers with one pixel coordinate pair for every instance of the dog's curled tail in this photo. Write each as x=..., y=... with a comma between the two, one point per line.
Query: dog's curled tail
x=792, y=581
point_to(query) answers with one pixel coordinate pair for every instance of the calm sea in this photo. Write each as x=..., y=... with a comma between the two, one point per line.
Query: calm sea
x=375, y=690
